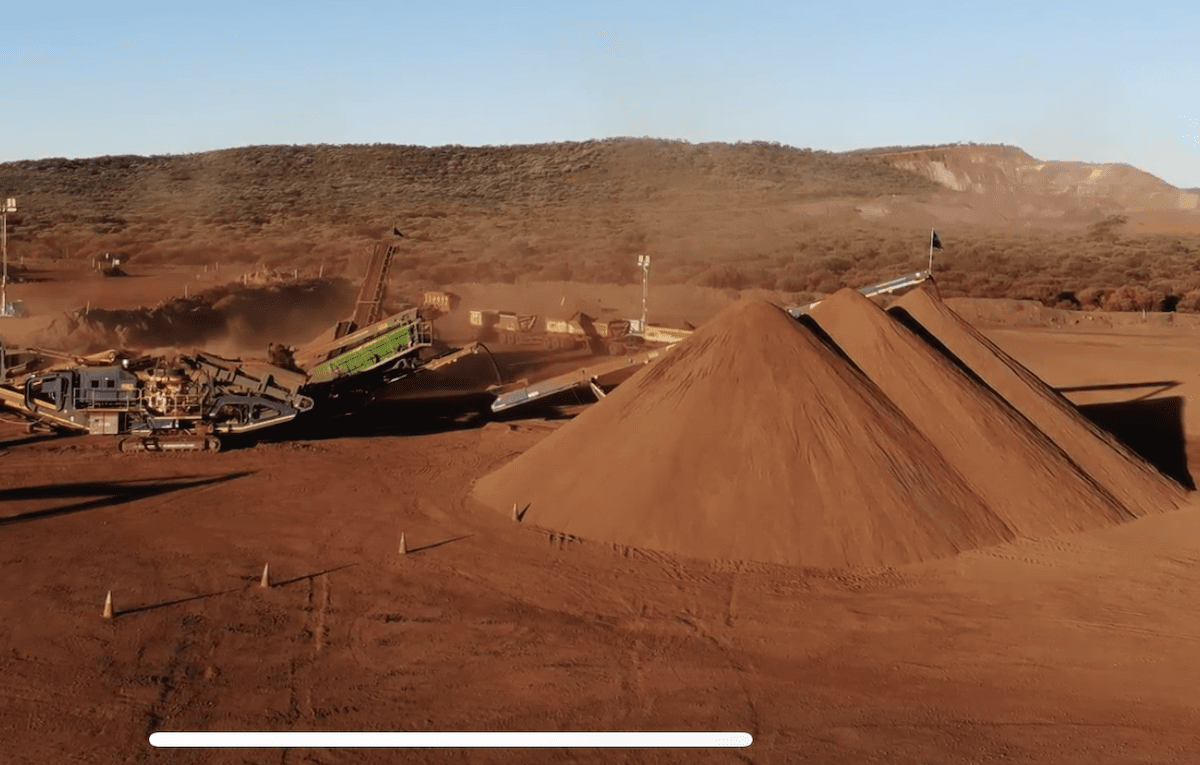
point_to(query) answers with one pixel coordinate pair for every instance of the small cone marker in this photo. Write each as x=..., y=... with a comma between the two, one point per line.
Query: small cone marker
x=516, y=514
x=108, y=607
x=403, y=544
x=266, y=577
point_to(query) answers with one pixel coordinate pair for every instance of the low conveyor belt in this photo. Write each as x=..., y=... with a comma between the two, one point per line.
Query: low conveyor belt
x=16, y=401
x=509, y=397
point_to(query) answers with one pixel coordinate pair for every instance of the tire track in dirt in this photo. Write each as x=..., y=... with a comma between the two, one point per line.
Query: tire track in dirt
x=466, y=453
x=731, y=603
x=741, y=668
x=673, y=569
x=324, y=596
x=315, y=627
x=1132, y=630
x=177, y=692
x=19, y=689
x=426, y=468
x=636, y=704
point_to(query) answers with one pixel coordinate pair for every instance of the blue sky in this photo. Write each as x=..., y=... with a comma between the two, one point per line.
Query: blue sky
x=1099, y=82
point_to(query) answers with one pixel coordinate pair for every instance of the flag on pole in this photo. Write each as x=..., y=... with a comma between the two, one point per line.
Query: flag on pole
x=934, y=242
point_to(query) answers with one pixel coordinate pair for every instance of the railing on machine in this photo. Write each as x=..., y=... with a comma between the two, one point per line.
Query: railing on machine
x=106, y=398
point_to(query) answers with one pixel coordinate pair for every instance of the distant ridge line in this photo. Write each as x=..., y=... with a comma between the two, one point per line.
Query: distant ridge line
x=886, y=150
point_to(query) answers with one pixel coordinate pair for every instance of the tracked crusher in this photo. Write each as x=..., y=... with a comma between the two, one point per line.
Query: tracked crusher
x=188, y=402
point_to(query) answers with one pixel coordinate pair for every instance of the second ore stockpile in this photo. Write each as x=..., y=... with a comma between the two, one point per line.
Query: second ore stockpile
x=1125, y=475
x=750, y=440
x=1023, y=476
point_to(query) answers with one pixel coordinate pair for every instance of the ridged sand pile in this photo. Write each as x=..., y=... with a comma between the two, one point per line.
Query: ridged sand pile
x=851, y=442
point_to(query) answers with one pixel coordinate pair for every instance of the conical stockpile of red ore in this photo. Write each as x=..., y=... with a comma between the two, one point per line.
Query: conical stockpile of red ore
x=1136, y=484
x=867, y=439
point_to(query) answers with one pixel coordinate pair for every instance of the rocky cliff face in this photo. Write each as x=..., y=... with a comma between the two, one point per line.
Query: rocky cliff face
x=1007, y=171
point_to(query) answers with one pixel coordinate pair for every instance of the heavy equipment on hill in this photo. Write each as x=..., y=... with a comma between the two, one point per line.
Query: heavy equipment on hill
x=614, y=337
x=517, y=329
x=633, y=336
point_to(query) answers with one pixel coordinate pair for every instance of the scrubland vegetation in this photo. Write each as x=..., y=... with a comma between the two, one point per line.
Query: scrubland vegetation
x=716, y=215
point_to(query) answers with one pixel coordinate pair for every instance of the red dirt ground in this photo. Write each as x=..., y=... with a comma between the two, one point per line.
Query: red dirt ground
x=1074, y=649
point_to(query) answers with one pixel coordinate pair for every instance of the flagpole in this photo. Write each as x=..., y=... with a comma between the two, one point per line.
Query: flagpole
x=931, y=250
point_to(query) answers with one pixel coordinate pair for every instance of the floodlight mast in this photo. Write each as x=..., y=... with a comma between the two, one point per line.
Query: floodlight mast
x=10, y=205
x=644, y=263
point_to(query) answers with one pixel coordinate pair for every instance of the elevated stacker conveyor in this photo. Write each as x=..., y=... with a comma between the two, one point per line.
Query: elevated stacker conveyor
x=882, y=288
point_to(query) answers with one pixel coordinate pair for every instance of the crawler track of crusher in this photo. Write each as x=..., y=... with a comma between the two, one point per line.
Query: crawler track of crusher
x=169, y=444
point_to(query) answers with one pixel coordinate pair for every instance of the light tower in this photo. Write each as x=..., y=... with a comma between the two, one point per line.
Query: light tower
x=644, y=264
x=10, y=205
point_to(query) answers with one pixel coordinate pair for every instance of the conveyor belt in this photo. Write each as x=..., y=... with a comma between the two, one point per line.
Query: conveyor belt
x=16, y=401
x=875, y=289
x=507, y=398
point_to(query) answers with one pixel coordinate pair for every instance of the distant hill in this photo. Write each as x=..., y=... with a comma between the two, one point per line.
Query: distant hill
x=303, y=202
x=1008, y=171
x=714, y=214
x=261, y=183
x=925, y=147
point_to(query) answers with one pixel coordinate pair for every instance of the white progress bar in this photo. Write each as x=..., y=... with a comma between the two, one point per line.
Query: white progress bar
x=421, y=739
